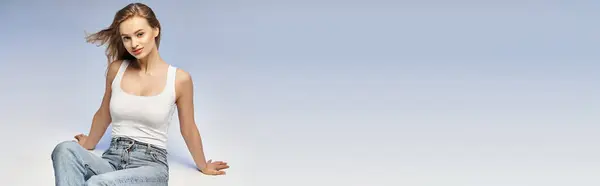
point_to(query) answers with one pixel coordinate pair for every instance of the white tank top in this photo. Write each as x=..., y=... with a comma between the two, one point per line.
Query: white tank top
x=142, y=118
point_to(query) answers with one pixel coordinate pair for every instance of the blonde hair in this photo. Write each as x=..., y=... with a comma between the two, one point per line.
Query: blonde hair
x=110, y=36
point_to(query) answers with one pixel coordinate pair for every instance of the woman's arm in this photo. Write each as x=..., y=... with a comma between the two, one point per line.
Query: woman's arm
x=102, y=117
x=189, y=130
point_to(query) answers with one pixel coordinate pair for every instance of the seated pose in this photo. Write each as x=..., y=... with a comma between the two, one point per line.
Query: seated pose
x=142, y=92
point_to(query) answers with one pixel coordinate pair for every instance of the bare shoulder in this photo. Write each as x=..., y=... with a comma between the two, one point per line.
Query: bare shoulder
x=111, y=73
x=182, y=77
x=113, y=68
x=183, y=83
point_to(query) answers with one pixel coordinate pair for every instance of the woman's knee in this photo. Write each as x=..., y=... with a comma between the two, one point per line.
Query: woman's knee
x=64, y=148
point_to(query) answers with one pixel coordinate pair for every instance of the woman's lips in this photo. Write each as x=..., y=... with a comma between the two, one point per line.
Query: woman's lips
x=137, y=51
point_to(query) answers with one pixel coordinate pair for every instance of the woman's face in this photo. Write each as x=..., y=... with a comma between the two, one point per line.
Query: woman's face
x=138, y=36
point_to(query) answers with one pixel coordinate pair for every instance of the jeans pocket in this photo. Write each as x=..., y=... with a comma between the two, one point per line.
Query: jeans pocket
x=91, y=171
x=106, y=152
x=159, y=158
x=109, y=151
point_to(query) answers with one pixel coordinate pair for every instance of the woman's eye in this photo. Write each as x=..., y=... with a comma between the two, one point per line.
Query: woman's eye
x=140, y=34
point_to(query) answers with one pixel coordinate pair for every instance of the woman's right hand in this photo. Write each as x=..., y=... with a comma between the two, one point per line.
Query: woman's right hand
x=81, y=138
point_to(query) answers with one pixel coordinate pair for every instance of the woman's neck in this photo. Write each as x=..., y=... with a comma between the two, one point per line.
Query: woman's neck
x=148, y=63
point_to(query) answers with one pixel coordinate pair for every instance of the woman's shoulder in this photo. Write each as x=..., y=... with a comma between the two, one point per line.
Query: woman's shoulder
x=182, y=76
x=113, y=68
x=115, y=65
x=183, y=82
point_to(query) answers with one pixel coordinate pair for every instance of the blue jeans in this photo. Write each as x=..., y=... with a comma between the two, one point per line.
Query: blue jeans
x=125, y=162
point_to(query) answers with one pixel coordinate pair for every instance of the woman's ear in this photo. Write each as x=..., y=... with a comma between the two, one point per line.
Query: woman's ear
x=156, y=31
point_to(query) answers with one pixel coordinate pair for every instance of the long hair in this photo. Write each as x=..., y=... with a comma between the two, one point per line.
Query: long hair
x=110, y=36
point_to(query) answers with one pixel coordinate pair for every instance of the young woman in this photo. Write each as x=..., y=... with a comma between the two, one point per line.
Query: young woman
x=141, y=94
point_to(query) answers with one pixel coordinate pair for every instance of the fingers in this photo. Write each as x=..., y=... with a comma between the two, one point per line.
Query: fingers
x=215, y=173
x=220, y=167
x=220, y=163
x=216, y=167
x=78, y=136
x=216, y=162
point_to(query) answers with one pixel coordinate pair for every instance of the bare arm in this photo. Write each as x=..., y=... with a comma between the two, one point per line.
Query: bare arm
x=189, y=130
x=102, y=119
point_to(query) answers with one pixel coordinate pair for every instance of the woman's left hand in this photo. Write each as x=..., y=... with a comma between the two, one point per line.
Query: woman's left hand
x=214, y=168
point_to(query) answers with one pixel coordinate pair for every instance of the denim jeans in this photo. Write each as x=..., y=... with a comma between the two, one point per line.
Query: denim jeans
x=125, y=162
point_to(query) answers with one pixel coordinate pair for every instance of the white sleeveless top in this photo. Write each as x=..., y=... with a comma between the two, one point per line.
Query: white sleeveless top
x=142, y=118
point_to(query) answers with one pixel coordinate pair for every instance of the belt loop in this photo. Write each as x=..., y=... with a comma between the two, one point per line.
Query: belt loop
x=148, y=149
